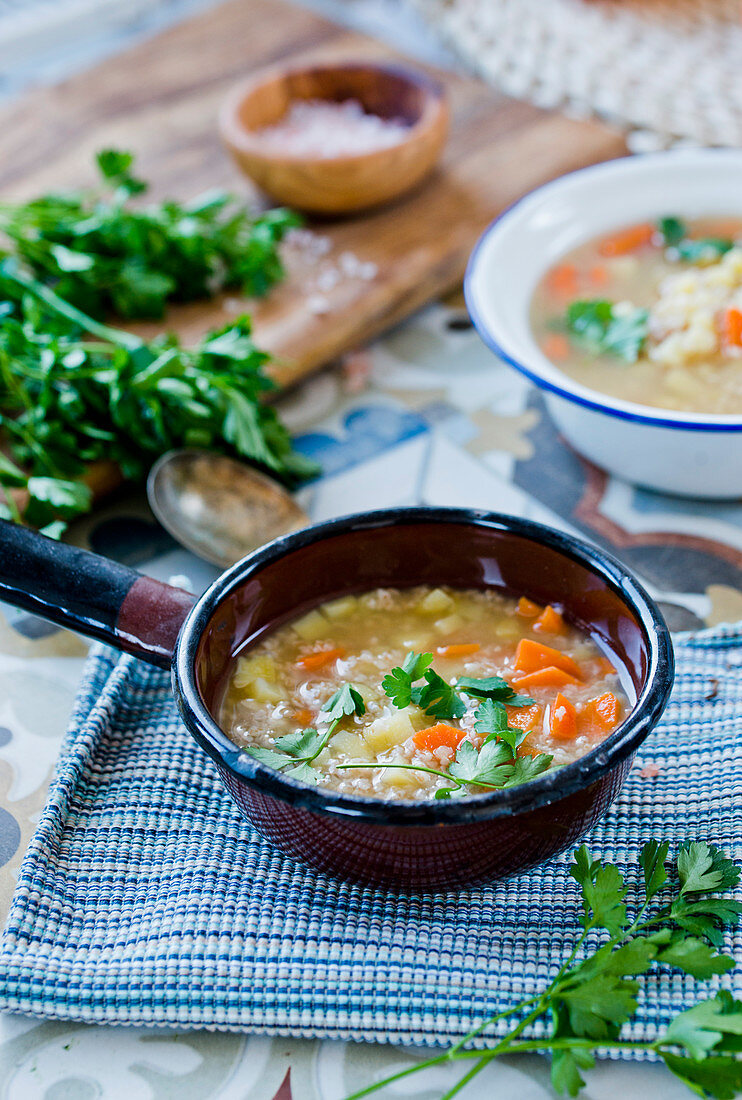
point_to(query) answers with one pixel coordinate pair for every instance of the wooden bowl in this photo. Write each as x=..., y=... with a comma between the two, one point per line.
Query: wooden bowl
x=337, y=184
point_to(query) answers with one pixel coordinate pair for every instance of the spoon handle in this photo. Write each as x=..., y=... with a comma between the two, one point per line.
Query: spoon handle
x=90, y=594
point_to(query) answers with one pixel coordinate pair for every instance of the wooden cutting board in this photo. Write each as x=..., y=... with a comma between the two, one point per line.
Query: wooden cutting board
x=160, y=99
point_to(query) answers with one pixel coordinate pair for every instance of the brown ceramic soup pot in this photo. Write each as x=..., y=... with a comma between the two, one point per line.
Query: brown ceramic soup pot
x=406, y=845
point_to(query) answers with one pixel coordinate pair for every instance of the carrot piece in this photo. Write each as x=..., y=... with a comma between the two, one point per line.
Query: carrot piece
x=606, y=667
x=628, y=240
x=598, y=275
x=733, y=327
x=603, y=712
x=462, y=650
x=551, y=676
x=531, y=656
x=523, y=718
x=527, y=608
x=303, y=716
x=314, y=661
x=562, y=280
x=555, y=346
x=550, y=621
x=562, y=719
x=433, y=737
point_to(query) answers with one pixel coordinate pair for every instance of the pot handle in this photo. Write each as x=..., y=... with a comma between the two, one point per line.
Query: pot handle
x=90, y=594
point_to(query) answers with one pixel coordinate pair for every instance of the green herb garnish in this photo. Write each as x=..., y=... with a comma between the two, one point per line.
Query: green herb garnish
x=674, y=233
x=105, y=255
x=705, y=249
x=74, y=392
x=672, y=230
x=495, y=764
x=594, y=992
x=596, y=324
x=295, y=752
x=436, y=697
x=492, y=687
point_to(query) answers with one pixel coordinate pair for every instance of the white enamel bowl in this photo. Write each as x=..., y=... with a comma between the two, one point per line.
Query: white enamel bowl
x=690, y=454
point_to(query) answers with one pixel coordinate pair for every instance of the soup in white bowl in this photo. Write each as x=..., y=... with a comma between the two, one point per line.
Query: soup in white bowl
x=672, y=449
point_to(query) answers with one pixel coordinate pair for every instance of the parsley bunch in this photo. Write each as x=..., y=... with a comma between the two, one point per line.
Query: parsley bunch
x=107, y=256
x=74, y=391
x=593, y=995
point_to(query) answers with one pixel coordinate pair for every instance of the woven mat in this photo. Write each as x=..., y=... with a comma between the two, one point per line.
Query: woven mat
x=144, y=897
x=672, y=66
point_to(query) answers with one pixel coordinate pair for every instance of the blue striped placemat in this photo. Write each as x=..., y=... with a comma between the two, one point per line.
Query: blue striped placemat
x=144, y=897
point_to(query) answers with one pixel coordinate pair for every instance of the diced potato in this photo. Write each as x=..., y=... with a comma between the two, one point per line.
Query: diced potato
x=258, y=677
x=450, y=623
x=388, y=731
x=436, y=602
x=311, y=626
x=250, y=669
x=339, y=609
x=399, y=778
x=350, y=743
x=265, y=691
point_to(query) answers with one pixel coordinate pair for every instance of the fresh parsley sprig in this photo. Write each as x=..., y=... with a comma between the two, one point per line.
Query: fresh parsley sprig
x=594, y=993
x=107, y=256
x=296, y=751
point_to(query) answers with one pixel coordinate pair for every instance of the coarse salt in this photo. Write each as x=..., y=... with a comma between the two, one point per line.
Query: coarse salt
x=325, y=129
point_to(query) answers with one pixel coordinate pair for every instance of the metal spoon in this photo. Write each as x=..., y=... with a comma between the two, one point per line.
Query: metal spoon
x=217, y=507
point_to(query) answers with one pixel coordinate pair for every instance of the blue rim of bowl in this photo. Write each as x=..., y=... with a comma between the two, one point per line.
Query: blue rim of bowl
x=548, y=788
x=658, y=421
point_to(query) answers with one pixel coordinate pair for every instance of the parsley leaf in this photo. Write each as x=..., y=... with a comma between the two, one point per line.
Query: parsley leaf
x=492, y=720
x=702, y=1027
x=492, y=687
x=525, y=768
x=347, y=700
x=672, y=231
x=703, y=868
x=437, y=698
x=565, y=1070
x=717, y=1077
x=600, y=328
x=603, y=891
x=299, y=742
x=397, y=684
x=694, y=957
x=599, y=1005
x=652, y=860
x=706, y=249
x=705, y=917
